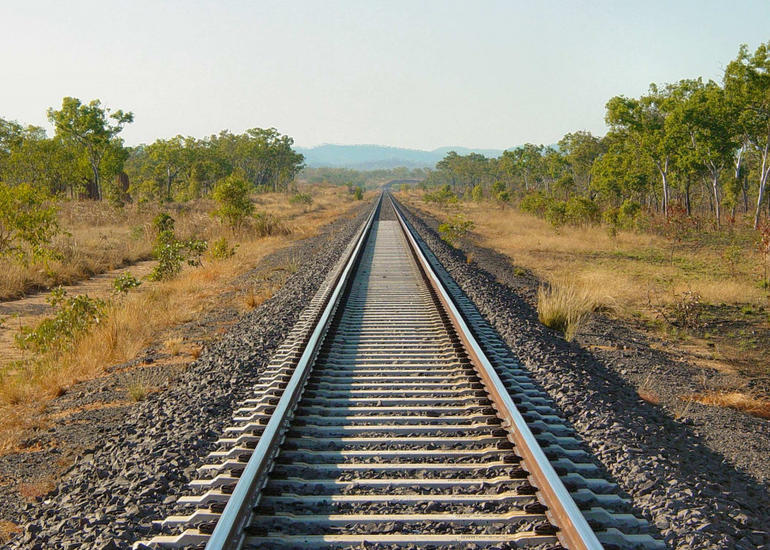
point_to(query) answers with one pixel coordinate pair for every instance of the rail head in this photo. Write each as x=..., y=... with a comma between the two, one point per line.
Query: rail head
x=229, y=531
x=574, y=531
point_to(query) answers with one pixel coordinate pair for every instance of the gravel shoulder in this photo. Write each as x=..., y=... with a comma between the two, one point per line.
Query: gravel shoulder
x=120, y=464
x=700, y=474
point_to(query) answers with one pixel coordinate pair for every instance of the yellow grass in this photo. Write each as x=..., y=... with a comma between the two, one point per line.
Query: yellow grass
x=7, y=530
x=628, y=270
x=635, y=275
x=564, y=306
x=147, y=313
x=736, y=400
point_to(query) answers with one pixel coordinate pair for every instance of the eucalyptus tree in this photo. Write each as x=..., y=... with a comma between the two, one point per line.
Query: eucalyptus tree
x=703, y=120
x=170, y=157
x=93, y=129
x=643, y=121
x=580, y=150
x=747, y=83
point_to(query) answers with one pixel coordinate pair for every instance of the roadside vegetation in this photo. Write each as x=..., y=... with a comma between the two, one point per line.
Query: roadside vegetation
x=80, y=203
x=664, y=222
x=85, y=334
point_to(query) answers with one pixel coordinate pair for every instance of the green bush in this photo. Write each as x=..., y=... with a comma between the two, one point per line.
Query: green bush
x=536, y=203
x=556, y=213
x=477, y=193
x=194, y=250
x=503, y=196
x=171, y=252
x=74, y=315
x=232, y=196
x=125, y=282
x=455, y=228
x=27, y=223
x=221, y=249
x=582, y=211
x=442, y=196
x=627, y=216
x=358, y=193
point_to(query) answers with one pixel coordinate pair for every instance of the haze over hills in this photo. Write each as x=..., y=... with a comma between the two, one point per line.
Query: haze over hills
x=372, y=157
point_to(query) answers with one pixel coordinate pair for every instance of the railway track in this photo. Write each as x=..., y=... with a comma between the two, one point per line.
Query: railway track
x=394, y=416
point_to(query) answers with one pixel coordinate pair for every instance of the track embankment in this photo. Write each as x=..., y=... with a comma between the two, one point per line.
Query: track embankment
x=703, y=485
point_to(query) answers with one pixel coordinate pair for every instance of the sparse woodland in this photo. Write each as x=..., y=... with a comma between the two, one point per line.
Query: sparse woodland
x=691, y=149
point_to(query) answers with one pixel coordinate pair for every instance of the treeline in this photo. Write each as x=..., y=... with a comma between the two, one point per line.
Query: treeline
x=359, y=178
x=688, y=147
x=87, y=158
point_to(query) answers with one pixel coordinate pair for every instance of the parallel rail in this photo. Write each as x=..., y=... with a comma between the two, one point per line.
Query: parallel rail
x=392, y=427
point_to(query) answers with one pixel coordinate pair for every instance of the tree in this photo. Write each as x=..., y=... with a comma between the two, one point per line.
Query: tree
x=232, y=196
x=580, y=150
x=747, y=83
x=27, y=223
x=703, y=119
x=170, y=157
x=91, y=127
x=643, y=121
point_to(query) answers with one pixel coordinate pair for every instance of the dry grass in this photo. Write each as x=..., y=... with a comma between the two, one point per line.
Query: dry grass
x=256, y=295
x=649, y=396
x=628, y=268
x=7, y=530
x=148, y=313
x=735, y=400
x=638, y=276
x=36, y=489
x=564, y=306
x=98, y=238
x=174, y=345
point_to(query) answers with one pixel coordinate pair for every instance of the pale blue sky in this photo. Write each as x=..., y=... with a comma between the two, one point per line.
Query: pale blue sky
x=404, y=73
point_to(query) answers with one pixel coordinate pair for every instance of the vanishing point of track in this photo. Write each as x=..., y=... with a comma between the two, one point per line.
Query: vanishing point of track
x=384, y=422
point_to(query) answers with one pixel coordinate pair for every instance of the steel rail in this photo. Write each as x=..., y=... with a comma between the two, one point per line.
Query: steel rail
x=574, y=531
x=229, y=531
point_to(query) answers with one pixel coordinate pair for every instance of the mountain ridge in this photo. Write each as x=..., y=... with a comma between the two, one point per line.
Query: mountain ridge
x=371, y=157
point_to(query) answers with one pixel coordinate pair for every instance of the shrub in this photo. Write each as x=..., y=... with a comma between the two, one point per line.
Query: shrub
x=442, y=196
x=556, y=213
x=232, y=196
x=171, y=252
x=167, y=249
x=27, y=224
x=73, y=316
x=581, y=211
x=628, y=214
x=358, y=193
x=125, y=282
x=503, y=197
x=477, y=193
x=221, y=249
x=454, y=228
x=536, y=203
x=170, y=257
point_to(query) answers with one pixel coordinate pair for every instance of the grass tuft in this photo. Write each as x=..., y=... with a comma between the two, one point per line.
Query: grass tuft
x=735, y=400
x=564, y=307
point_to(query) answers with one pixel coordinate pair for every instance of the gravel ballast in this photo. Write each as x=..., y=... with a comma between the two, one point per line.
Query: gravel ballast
x=693, y=495
x=145, y=459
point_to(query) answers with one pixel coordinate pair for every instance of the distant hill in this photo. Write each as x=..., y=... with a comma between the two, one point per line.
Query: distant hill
x=373, y=157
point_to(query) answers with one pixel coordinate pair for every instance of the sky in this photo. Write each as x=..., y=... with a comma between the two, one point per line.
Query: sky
x=419, y=74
